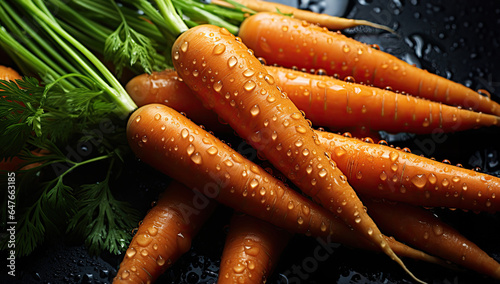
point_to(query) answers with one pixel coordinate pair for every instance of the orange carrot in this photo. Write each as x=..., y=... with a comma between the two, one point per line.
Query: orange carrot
x=326, y=101
x=165, y=87
x=251, y=250
x=421, y=229
x=338, y=104
x=384, y=172
x=8, y=74
x=325, y=20
x=291, y=42
x=164, y=235
x=171, y=143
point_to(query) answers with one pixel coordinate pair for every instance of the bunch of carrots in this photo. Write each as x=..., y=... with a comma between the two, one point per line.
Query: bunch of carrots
x=223, y=82
x=258, y=85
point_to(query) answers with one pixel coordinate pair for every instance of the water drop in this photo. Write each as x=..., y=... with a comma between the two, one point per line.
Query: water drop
x=157, y=116
x=383, y=176
x=254, y=183
x=196, y=158
x=232, y=61
x=184, y=46
x=300, y=220
x=212, y=150
x=305, y=152
x=190, y=149
x=143, y=239
x=301, y=129
x=299, y=143
x=219, y=48
x=217, y=86
x=160, y=260
x=393, y=155
x=184, y=133
x=419, y=180
x=131, y=252
x=255, y=110
x=323, y=173
x=248, y=73
x=249, y=85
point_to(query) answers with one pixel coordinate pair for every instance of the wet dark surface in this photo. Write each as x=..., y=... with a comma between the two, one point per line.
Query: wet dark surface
x=456, y=39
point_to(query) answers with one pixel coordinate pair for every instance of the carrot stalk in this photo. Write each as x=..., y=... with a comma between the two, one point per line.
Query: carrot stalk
x=384, y=172
x=251, y=250
x=171, y=143
x=324, y=20
x=164, y=235
x=291, y=42
x=421, y=229
x=326, y=101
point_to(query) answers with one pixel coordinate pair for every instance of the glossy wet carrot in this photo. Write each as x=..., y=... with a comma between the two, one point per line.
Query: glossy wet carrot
x=173, y=144
x=384, y=172
x=164, y=234
x=227, y=77
x=326, y=101
x=291, y=42
x=251, y=250
x=324, y=20
x=421, y=229
x=176, y=146
x=167, y=88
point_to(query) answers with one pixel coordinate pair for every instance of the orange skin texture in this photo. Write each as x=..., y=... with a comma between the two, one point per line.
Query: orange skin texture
x=421, y=229
x=326, y=101
x=384, y=172
x=164, y=235
x=227, y=77
x=251, y=250
x=174, y=145
x=291, y=42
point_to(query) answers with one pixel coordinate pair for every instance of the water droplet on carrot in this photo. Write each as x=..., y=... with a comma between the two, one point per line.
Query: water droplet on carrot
x=274, y=135
x=313, y=181
x=152, y=231
x=383, y=176
x=284, y=28
x=176, y=55
x=455, y=179
x=296, y=115
x=254, y=183
x=359, y=175
x=393, y=155
x=255, y=110
x=249, y=85
x=269, y=79
x=432, y=178
x=305, y=152
x=125, y=274
x=217, y=86
x=160, y=260
x=131, y=252
x=219, y=48
x=290, y=205
x=299, y=143
x=157, y=116
x=323, y=173
x=212, y=150
x=232, y=61
x=437, y=229
x=143, y=239
x=419, y=180
x=248, y=73
x=190, y=149
x=445, y=182
x=300, y=129
x=346, y=48
x=370, y=231
x=155, y=246
x=184, y=46
x=339, y=151
x=144, y=253
x=184, y=133
x=196, y=158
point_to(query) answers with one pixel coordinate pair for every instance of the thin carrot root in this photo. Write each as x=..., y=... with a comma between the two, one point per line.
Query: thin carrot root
x=425, y=231
x=324, y=20
x=248, y=99
x=305, y=45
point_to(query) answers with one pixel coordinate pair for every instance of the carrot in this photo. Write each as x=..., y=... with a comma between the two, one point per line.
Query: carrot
x=251, y=250
x=325, y=20
x=167, y=88
x=326, y=101
x=338, y=104
x=421, y=229
x=384, y=172
x=8, y=74
x=164, y=234
x=291, y=42
x=171, y=143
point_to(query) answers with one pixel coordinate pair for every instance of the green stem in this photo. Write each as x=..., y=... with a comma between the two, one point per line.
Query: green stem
x=172, y=19
x=117, y=92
